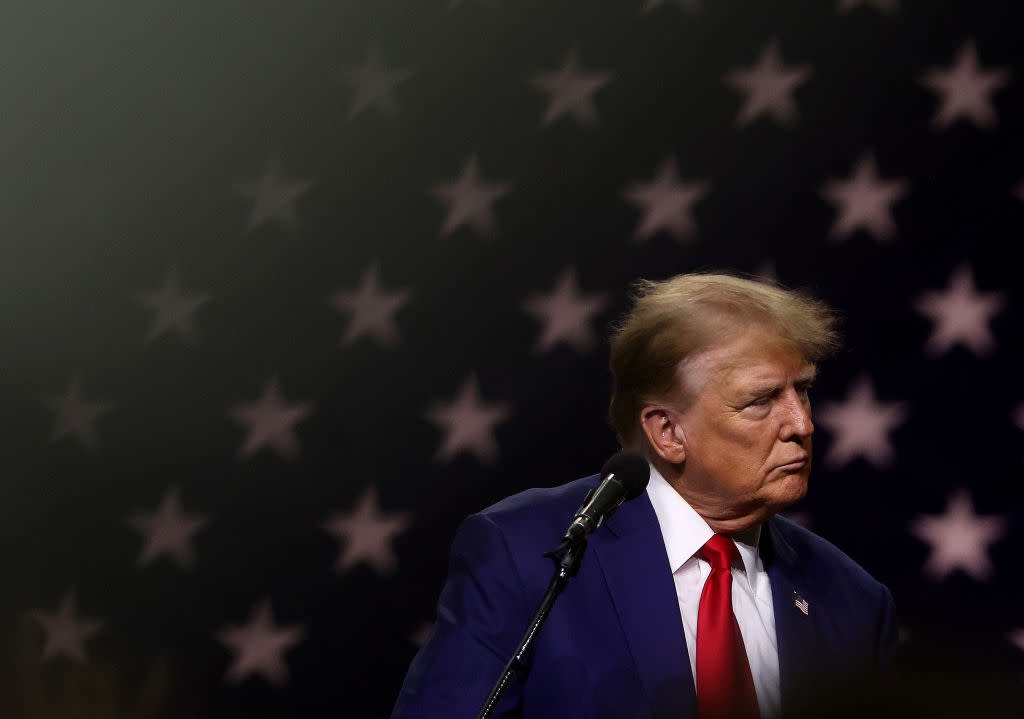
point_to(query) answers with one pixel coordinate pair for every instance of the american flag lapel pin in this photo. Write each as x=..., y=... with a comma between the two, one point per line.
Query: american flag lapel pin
x=800, y=603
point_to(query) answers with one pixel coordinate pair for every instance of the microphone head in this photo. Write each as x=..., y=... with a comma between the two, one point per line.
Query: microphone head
x=631, y=469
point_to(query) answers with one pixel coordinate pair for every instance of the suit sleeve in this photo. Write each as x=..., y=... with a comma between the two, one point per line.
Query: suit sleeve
x=481, y=615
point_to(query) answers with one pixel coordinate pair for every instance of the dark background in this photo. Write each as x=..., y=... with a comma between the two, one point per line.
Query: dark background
x=126, y=132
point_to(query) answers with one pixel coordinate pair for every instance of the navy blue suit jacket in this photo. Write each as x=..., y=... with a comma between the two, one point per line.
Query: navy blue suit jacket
x=614, y=645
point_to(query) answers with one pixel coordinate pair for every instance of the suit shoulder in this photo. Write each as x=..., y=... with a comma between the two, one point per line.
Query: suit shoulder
x=540, y=503
x=536, y=515
x=820, y=556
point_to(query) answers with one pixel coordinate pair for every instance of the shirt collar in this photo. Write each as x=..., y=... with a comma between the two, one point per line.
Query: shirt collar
x=685, y=531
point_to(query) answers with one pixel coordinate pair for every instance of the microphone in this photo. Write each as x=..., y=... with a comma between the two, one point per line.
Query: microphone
x=624, y=476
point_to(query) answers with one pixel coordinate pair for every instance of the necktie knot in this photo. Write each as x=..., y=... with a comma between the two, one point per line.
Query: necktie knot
x=720, y=552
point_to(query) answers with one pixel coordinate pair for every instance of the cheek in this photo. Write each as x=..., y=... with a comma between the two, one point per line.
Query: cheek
x=738, y=432
x=753, y=443
x=743, y=454
x=761, y=449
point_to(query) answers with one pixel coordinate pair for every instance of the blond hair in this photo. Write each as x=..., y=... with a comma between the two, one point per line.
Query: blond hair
x=673, y=320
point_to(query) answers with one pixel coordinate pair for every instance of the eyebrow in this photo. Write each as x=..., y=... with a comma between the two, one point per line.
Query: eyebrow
x=805, y=378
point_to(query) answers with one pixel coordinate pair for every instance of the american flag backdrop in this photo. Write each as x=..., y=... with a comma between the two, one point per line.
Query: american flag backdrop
x=290, y=288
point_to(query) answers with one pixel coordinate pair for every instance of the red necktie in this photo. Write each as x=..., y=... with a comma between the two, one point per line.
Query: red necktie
x=725, y=687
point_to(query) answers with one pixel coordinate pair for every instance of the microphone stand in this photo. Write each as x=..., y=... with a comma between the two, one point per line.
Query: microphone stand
x=566, y=557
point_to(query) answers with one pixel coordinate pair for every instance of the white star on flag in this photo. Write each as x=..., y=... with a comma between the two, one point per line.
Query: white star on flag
x=860, y=426
x=961, y=315
x=374, y=85
x=801, y=518
x=273, y=198
x=270, y=422
x=172, y=309
x=959, y=538
x=769, y=87
x=469, y=200
x=1018, y=416
x=886, y=7
x=566, y=314
x=1016, y=638
x=76, y=417
x=468, y=424
x=666, y=203
x=259, y=646
x=864, y=202
x=571, y=92
x=1018, y=190
x=168, y=531
x=373, y=309
x=966, y=90
x=66, y=633
x=366, y=534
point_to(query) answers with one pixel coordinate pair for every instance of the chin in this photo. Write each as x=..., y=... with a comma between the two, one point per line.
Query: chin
x=787, y=491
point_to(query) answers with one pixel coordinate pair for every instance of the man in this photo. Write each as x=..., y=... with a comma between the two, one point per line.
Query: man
x=695, y=599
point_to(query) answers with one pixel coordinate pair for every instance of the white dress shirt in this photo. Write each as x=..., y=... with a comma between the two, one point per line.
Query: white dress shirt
x=685, y=532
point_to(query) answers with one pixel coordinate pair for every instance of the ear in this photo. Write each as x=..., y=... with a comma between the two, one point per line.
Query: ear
x=664, y=433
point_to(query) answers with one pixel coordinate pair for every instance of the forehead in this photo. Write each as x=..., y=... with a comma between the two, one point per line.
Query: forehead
x=752, y=356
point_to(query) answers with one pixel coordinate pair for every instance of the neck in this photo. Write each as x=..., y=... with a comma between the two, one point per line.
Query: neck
x=740, y=525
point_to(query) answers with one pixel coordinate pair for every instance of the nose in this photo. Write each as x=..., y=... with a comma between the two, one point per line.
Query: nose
x=796, y=420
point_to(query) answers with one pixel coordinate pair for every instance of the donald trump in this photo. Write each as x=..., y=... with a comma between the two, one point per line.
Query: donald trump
x=695, y=599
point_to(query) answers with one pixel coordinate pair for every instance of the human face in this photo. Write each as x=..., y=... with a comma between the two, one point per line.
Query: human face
x=746, y=430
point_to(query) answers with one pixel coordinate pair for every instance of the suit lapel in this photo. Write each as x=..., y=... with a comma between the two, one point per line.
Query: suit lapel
x=631, y=552
x=794, y=631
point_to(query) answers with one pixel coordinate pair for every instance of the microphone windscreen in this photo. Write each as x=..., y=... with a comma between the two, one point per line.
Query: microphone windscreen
x=631, y=469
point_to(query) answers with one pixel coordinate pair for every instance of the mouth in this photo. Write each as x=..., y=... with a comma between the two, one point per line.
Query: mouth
x=795, y=465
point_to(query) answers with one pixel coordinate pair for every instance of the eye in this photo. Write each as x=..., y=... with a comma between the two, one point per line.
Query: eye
x=762, y=402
